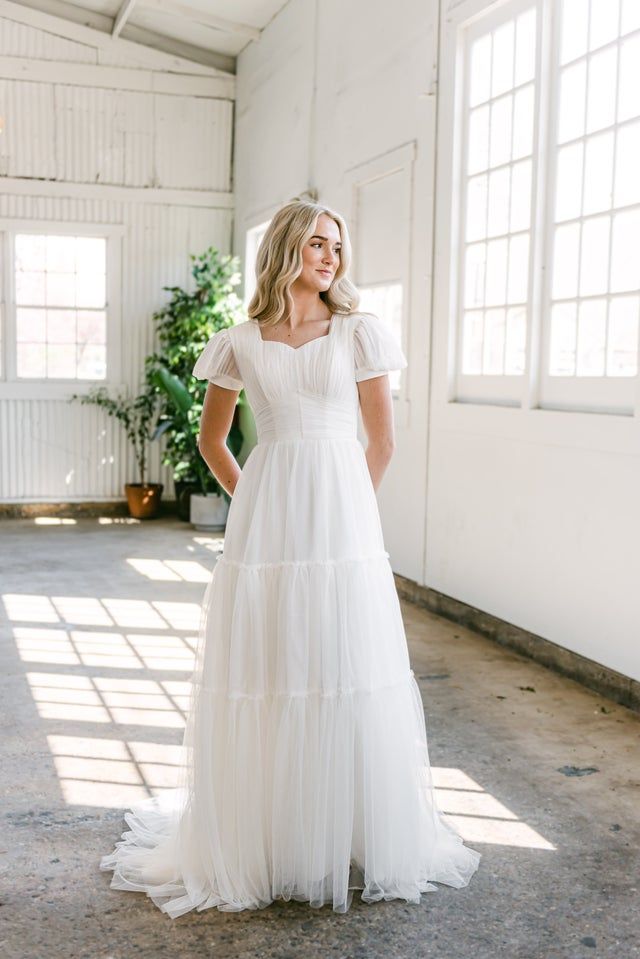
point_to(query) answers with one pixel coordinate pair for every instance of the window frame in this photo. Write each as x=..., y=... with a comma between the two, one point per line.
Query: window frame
x=12, y=387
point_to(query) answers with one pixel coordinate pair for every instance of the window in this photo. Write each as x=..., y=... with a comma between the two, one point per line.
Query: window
x=60, y=295
x=58, y=322
x=566, y=269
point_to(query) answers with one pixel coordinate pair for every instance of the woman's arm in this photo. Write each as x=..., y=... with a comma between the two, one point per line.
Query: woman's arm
x=376, y=404
x=215, y=423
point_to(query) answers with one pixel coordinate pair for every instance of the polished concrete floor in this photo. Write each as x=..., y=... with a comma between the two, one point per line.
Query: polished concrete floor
x=537, y=773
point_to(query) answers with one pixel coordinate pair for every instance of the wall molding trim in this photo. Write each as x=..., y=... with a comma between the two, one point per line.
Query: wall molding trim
x=601, y=679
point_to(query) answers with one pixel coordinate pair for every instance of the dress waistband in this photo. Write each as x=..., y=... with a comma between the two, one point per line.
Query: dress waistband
x=302, y=415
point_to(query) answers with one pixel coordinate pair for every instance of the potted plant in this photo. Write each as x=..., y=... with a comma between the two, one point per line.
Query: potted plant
x=184, y=325
x=136, y=413
x=208, y=501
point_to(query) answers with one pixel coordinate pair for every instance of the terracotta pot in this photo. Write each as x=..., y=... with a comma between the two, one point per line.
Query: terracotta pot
x=143, y=500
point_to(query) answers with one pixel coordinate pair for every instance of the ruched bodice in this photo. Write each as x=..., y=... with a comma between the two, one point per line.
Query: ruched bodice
x=303, y=415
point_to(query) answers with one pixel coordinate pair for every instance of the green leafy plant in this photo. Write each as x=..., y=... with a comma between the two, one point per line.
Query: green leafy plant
x=136, y=413
x=184, y=325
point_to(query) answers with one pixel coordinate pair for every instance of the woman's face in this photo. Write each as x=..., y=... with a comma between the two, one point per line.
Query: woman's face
x=321, y=254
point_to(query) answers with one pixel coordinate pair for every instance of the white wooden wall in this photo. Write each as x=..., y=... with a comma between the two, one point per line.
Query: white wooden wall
x=99, y=136
x=536, y=520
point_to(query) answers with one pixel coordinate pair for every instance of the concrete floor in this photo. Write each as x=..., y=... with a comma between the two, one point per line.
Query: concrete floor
x=94, y=629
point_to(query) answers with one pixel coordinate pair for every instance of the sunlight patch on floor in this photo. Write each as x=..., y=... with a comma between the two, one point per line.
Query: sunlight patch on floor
x=113, y=773
x=170, y=570
x=99, y=699
x=478, y=816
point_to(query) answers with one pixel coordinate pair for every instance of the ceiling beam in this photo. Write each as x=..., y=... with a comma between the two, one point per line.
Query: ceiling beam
x=177, y=9
x=94, y=29
x=121, y=17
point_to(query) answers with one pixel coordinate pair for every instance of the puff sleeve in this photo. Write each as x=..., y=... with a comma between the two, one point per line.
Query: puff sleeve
x=376, y=349
x=217, y=362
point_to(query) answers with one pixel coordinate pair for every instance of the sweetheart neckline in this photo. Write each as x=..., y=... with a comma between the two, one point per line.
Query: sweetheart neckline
x=294, y=349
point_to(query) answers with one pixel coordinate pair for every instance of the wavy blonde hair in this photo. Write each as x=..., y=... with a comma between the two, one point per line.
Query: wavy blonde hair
x=279, y=263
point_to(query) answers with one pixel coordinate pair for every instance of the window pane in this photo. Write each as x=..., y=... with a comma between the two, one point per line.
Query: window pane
x=496, y=287
x=601, y=106
x=472, y=340
x=627, y=186
x=520, y=196
x=31, y=360
x=61, y=326
x=523, y=122
x=563, y=340
x=500, y=148
x=31, y=326
x=518, y=268
x=569, y=182
x=622, y=351
x=477, y=208
x=604, y=22
x=525, y=47
x=92, y=327
x=61, y=361
x=515, y=344
x=592, y=326
x=594, y=273
x=502, y=65
x=480, y=75
x=61, y=254
x=90, y=289
x=30, y=253
x=598, y=173
x=478, y=159
x=625, y=255
x=92, y=362
x=575, y=18
x=565, y=261
x=494, y=332
x=572, y=101
x=30, y=289
x=499, y=202
x=629, y=95
x=474, y=275
x=61, y=289
x=630, y=19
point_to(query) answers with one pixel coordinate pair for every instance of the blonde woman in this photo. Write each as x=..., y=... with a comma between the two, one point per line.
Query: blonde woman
x=307, y=771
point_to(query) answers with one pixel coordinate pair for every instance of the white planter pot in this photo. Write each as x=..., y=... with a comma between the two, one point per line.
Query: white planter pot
x=208, y=512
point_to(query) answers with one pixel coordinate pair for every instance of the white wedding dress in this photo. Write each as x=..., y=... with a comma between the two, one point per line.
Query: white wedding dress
x=307, y=772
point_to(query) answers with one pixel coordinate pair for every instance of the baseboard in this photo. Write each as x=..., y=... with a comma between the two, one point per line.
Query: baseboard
x=85, y=508
x=622, y=689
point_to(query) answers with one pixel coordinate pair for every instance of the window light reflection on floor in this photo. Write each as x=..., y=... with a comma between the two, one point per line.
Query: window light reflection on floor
x=113, y=772
x=171, y=570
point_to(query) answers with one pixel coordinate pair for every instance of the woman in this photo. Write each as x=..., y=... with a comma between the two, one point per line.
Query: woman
x=307, y=772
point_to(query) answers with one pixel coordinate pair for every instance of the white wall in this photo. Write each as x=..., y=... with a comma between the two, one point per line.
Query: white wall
x=531, y=515
x=96, y=136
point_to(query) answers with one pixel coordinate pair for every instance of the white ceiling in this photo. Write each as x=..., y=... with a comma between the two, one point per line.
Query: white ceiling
x=210, y=32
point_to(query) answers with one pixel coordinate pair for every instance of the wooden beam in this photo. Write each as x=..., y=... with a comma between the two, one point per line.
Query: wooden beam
x=122, y=17
x=116, y=78
x=43, y=16
x=177, y=9
x=24, y=186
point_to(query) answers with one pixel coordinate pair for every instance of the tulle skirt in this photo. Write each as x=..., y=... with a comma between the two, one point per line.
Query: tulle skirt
x=306, y=772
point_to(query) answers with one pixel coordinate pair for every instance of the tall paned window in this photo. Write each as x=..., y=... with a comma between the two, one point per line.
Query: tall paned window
x=593, y=298
x=497, y=168
x=548, y=240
